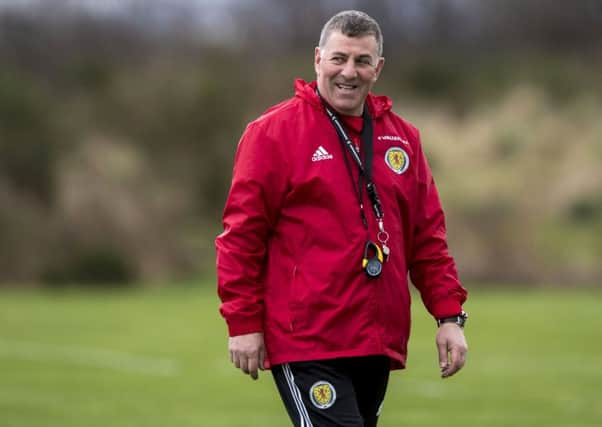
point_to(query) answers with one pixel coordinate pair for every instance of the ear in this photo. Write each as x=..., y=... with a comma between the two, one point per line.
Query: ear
x=379, y=68
x=317, y=59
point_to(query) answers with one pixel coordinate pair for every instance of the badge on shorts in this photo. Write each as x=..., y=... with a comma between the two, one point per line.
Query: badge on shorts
x=322, y=395
x=397, y=160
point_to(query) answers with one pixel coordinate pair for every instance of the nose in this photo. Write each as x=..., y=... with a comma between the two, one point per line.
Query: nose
x=349, y=71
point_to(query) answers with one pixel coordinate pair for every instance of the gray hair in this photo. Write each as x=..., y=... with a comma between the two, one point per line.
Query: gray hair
x=352, y=23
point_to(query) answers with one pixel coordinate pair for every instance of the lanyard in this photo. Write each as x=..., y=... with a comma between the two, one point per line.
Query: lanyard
x=364, y=170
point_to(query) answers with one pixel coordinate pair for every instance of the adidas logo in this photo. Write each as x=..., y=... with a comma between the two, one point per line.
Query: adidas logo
x=321, y=154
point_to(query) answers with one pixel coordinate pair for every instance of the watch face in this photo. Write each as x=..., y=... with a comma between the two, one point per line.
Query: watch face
x=374, y=268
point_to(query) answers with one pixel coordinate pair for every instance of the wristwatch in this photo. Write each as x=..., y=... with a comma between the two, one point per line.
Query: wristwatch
x=458, y=319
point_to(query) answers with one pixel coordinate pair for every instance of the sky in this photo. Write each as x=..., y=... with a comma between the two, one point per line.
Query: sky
x=212, y=15
x=113, y=6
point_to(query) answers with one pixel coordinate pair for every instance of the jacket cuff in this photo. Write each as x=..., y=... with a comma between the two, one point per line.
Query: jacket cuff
x=446, y=308
x=244, y=326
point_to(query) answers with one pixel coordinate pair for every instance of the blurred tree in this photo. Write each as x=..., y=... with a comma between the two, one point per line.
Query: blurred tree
x=27, y=138
x=119, y=122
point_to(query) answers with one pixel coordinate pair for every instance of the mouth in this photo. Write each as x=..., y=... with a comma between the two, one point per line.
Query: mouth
x=346, y=87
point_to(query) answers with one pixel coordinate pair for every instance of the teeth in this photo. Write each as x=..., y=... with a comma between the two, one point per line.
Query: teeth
x=342, y=86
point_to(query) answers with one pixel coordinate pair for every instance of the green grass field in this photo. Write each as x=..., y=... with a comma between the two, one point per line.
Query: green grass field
x=158, y=357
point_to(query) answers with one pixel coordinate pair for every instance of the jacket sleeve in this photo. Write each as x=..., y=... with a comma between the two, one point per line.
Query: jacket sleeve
x=251, y=211
x=432, y=269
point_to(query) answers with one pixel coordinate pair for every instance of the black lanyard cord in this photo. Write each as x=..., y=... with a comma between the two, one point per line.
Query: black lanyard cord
x=358, y=189
x=345, y=139
x=366, y=171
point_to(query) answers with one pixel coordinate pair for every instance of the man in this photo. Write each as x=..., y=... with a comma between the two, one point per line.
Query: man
x=332, y=204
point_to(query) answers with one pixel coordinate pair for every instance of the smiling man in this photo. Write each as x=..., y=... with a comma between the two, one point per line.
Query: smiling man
x=346, y=68
x=332, y=205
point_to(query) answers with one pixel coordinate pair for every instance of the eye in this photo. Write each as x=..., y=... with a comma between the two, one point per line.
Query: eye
x=364, y=61
x=338, y=60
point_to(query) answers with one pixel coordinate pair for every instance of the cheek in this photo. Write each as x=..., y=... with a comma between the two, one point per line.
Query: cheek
x=370, y=76
x=327, y=72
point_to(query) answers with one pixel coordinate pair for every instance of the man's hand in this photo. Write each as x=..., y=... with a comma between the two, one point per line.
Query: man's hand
x=247, y=352
x=452, y=348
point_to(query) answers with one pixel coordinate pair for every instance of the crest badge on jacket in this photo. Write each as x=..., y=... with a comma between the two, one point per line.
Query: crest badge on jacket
x=397, y=160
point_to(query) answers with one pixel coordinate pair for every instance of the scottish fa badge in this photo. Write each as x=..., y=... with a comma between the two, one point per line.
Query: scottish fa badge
x=397, y=160
x=322, y=395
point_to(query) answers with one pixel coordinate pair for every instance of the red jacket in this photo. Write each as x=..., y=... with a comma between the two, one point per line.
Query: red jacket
x=289, y=259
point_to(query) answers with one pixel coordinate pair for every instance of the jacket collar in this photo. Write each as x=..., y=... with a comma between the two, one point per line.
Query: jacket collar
x=377, y=104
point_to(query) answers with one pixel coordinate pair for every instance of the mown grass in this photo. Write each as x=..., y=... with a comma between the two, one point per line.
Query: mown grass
x=534, y=360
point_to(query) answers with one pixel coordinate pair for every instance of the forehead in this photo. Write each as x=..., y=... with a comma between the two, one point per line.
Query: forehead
x=352, y=46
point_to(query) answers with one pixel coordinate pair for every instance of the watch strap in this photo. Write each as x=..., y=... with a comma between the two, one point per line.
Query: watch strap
x=458, y=319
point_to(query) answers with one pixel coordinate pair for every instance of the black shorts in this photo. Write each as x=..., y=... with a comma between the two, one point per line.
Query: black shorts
x=345, y=392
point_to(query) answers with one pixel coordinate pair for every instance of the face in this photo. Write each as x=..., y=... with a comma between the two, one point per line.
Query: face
x=346, y=69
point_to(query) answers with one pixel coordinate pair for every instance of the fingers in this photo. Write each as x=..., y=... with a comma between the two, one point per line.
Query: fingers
x=452, y=348
x=262, y=358
x=253, y=363
x=244, y=363
x=235, y=359
x=456, y=362
x=247, y=363
x=247, y=353
x=443, y=356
